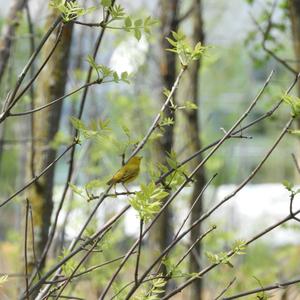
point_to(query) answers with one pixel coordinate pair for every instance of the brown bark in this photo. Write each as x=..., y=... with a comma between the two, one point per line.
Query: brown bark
x=294, y=9
x=193, y=132
x=162, y=232
x=51, y=85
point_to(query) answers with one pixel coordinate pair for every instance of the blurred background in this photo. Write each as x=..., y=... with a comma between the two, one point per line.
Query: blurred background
x=246, y=40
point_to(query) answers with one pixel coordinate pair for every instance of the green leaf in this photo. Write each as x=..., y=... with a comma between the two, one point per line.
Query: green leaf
x=106, y=3
x=147, y=201
x=288, y=185
x=93, y=184
x=191, y=105
x=127, y=22
x=138, y=22
x=76, y=189
x=124, y=77
x=137, y=34
x=77, y=124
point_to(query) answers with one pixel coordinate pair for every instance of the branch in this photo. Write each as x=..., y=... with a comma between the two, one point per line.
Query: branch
x=72, y=253
x=39, y=175
x=98, y=81
x=11, y=95
x=259, y=119
x=265, y=35
x=167, y=203
x=157, y=118
x=25, y=247
x=229, y=254
x=226, y=289
x=136, y=273
x=264, y=289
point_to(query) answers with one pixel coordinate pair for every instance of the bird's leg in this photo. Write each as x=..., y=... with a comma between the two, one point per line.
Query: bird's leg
x=125, y=188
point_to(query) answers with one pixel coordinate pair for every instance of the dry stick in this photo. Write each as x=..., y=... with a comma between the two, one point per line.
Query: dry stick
x=263, y=289
x=215, y=148
x=31, y=111
x=136, y=273
x=226, y=289
x=11, y=95
x=71, y=164
x=206, y=215
x=229, y=254
x=25, y=247
x=39, y=175
x=73, y=253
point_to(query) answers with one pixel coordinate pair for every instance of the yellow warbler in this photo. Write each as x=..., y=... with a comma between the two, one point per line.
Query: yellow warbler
x=128, y=172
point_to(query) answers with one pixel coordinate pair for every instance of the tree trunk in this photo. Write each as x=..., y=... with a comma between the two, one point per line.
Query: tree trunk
x=161, y=234
x=51, y=85
x=191, y=89
x=294, y=8
x=6, y=43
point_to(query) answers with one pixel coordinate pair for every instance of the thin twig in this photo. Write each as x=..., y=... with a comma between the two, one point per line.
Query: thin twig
x=89, y=270
x=292, y=197
x=38, y=176
x=72, y=254
x=11, y=95
x=33, y=239
x=31, y=81
x=80, y=263
x=206, y=215
x=200, y=238
x=265, y=34
x=136, y=273
x=296, y=163
x=264, y=289
x=229, y=254
x=226, y=288
x=31, y=111
x=25, y=248
x=158, y=116
x=193, y=205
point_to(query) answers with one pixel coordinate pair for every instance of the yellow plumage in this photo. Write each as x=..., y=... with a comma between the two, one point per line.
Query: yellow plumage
x=128, y=172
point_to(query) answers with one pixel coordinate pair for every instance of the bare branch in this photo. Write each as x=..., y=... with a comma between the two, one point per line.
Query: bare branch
x=226, y=288
x=264, y=289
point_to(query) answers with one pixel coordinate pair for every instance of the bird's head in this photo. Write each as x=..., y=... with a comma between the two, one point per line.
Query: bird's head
x=136, y=159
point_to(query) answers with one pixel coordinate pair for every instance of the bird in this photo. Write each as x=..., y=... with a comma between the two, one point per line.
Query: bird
x=127, y=173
